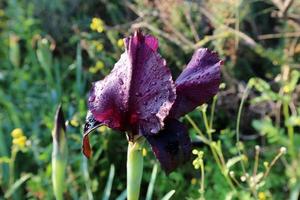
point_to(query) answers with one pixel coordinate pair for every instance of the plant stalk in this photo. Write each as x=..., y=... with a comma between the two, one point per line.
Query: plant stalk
x=134, y=168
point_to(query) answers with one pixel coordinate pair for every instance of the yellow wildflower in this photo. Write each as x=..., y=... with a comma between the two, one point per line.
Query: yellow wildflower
x=120, y=43
x=97, y=25
x=20, y=141
x=99, y=46
x=17, y=132
x=99, y=65
x=74, y=122
x=262, y=196
x=193, y=181
x=286, y=89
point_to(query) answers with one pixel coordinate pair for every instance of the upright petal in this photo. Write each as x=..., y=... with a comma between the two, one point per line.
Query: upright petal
x=139, y=92
x=152, y=91
x=198, y=82
x=172, y=145
x=108, y=98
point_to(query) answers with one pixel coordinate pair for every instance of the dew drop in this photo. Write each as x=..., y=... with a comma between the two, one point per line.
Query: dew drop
x=153, y=130
x=153, y=83
x=92, y=98
x=138, y=94
x=121, y=81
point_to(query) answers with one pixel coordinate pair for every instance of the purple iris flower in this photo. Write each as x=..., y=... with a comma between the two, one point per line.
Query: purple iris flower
x=139, y=97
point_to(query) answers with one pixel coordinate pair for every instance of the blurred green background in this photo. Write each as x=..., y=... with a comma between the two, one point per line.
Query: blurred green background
x=51, y=52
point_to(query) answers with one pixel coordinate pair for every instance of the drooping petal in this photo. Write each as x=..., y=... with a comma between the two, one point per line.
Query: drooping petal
x=90, y=124
x=198, y=82
x=152, y=91
x=172, y=145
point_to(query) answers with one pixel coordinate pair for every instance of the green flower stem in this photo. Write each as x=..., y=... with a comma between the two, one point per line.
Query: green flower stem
x=290, y=128
x=12, y=166
x=58, y=177
x=134, y=168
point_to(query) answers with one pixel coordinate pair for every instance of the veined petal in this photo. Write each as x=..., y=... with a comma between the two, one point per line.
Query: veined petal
x=172, y=145
x=152, y=91
x=139, y=92
x=198, y=82
x=108, y=98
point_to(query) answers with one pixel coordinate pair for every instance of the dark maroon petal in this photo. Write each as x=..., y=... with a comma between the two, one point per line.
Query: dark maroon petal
x=90, y=125
x=152, y=91
x=172, y=145
x=198, y=82
x=138, y=93
x=108, y=99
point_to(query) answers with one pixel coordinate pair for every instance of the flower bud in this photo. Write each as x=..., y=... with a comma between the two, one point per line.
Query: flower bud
x=59, y=154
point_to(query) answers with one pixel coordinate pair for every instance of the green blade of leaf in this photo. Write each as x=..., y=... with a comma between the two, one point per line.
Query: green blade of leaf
x=16, y=185
x=168, y=195
x=122, y=196
x=152, y=182
x=109, y=182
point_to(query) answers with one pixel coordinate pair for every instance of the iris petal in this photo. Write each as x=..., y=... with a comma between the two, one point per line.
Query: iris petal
x=198, y=82
x=90, y=124
x=172, y=145
x=139, y=92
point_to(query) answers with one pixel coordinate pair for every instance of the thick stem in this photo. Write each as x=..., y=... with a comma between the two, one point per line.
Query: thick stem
x=134, y=168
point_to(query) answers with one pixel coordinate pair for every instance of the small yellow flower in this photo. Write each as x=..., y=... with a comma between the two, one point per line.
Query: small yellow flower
x=262, y=196
x=144, y=152
x=193, y=181
x=99, y=65
x=97, y=25
x=99, y=46
x=20, y=141
x=17, y=132
x=74, y=122
x=120, y=43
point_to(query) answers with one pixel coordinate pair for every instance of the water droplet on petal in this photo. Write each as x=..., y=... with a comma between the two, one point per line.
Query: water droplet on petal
x=153, y=130
x=92, y=98
x=138, y=94
x=153, y=83
x=121, y=81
